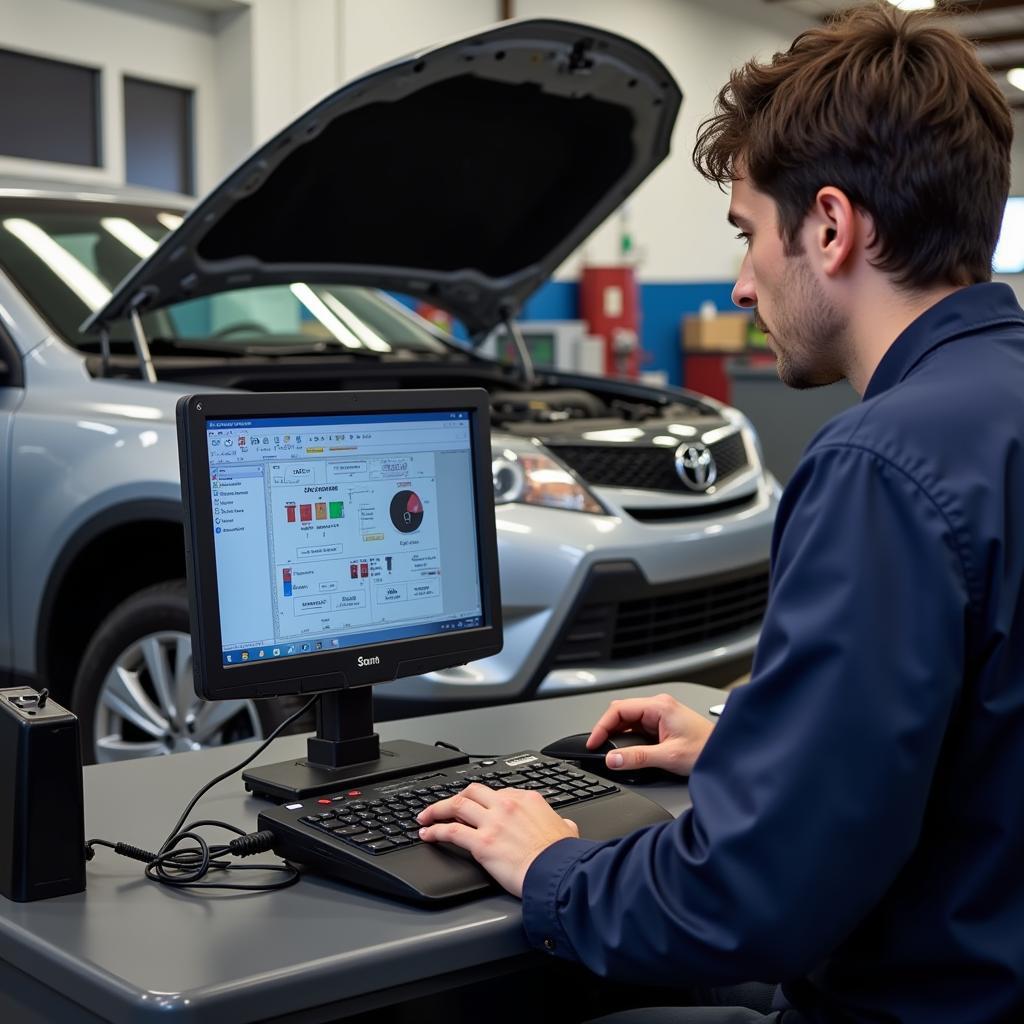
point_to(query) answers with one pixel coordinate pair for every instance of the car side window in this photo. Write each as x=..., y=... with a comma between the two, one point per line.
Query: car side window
x=10, y=362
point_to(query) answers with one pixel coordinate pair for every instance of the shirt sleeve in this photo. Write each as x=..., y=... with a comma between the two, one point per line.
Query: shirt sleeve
x=810, y=794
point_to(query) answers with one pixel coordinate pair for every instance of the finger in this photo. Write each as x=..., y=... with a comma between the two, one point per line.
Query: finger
x=450, y=832
x=621, y=715
x=572, y=824
x=666, y=755
x=455, y=808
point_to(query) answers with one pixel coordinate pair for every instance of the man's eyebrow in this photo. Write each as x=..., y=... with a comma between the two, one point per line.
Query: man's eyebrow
x=737, y=221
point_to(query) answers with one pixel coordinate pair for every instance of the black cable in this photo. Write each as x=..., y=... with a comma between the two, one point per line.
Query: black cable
x=459, y=750
x=185, y=868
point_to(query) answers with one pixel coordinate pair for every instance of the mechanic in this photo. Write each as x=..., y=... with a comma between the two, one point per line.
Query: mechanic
x=856, y=832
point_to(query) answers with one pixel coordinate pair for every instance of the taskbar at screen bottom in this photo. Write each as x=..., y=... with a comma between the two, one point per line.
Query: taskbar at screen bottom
x=232, y=657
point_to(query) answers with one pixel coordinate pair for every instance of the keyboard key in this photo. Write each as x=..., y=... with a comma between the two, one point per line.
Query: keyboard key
x=348, y=830
x=605, y=787
x=514, y=780
x=413, y=833
x=392, y=830
x=561, y=799
x=367, y=837
x=549, y=791
x=380, y=846
x=401, y=840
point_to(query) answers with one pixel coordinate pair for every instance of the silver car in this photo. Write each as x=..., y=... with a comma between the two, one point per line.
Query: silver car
x=633, y=522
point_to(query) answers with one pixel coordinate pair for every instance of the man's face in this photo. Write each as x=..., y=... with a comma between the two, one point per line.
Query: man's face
x=805, y=330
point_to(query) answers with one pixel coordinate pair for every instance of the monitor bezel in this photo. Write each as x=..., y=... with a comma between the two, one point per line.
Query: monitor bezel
x=328, y=669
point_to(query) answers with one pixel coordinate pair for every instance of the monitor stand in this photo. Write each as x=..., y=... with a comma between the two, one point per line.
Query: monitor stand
x=345, y=753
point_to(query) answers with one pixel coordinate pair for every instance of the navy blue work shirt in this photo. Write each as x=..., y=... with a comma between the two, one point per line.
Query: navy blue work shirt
x=857, y=829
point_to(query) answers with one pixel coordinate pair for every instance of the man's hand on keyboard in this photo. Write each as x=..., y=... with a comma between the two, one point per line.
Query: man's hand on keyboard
x=504, y=829
x=680, y=733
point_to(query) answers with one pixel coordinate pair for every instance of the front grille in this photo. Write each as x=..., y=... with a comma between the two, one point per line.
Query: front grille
x=646, y=468
x=665, y=622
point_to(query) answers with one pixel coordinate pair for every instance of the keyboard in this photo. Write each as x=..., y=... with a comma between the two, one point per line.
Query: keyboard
x=369, y=837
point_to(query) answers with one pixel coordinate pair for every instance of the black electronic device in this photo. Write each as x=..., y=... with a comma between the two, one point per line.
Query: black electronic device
x=332, y=541
x=42, y=840
x=574, y=748
x=368, y=835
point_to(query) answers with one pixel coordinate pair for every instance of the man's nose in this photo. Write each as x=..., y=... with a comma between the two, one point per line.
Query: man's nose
x=744, y=293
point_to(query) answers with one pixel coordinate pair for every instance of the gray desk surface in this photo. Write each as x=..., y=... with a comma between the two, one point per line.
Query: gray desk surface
x=129, y=950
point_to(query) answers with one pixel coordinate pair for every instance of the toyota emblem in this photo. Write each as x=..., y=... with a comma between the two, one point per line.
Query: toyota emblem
x=696, y=466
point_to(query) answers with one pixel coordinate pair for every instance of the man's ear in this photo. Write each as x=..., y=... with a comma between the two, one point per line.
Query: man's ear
x=834, y=224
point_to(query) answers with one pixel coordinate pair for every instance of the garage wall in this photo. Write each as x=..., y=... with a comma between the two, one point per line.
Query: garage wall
x=159, y=42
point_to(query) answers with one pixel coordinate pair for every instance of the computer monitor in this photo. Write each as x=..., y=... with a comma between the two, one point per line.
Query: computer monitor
x=334, y=540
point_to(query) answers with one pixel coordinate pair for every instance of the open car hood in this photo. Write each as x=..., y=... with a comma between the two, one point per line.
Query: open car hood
x=462, y=175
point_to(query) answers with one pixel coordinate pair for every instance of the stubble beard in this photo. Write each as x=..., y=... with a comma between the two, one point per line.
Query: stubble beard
x=809, y=334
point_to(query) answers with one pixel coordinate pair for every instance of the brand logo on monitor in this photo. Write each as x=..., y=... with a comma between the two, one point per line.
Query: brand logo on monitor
x=363, y=662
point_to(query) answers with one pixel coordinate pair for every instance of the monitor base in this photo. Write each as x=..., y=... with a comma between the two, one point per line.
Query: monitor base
x=299, y=778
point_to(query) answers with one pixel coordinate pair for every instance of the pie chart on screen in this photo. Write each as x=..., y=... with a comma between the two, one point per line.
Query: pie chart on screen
x=406, y=511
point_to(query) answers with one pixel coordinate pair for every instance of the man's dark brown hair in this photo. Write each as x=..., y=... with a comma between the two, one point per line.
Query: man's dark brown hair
x=897, y=112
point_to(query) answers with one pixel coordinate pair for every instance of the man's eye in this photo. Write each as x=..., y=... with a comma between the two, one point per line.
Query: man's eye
x=744, y=237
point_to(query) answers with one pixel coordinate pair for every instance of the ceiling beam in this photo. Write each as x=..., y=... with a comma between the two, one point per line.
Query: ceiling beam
x=980, y=6
x=996, y=66
x=996, y=38
x=964, y=7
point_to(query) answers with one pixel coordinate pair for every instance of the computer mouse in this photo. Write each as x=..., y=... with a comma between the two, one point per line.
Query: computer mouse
x=574, y=748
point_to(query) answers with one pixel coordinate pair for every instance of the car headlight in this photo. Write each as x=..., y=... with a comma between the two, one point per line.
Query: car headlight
x=526, y=475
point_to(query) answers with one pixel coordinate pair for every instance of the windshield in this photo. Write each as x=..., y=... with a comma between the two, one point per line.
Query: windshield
x=67, y=256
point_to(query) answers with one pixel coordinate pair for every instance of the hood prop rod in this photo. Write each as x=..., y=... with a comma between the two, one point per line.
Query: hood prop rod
x=142, y=347
x=529, y=377
x=104, y=351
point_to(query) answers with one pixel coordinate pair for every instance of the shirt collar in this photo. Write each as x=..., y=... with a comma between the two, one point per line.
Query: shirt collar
x=965, y=311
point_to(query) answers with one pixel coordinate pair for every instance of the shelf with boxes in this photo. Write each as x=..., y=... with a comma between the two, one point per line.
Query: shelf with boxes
x=710, y=342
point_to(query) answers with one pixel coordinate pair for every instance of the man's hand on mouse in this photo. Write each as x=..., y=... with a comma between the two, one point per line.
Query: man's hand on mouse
x=503, y=829
x=680, y=734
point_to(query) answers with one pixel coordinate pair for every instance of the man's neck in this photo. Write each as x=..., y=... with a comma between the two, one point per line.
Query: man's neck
x=880, y=318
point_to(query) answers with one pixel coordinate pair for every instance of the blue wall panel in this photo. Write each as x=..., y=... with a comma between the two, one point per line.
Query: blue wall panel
x=554, y=300
x=663, y=306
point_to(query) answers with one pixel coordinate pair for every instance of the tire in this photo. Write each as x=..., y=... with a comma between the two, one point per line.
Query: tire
x=127, y=710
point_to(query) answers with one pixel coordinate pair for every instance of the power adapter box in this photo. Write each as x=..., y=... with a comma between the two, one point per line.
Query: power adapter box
x=42, y=836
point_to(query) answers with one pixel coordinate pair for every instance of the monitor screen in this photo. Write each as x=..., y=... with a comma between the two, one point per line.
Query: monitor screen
x=335, y=532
